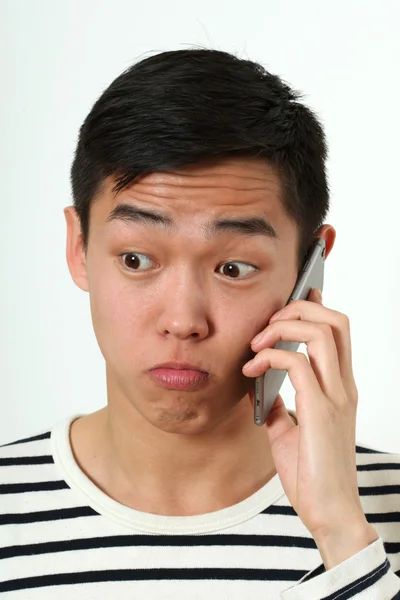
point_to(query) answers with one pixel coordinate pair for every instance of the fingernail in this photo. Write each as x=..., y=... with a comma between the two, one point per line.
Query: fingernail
x=319, y=295
x=247, y=366
x=276, y=315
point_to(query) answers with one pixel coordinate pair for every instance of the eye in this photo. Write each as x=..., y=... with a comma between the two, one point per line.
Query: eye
x=133, y=263
x=231, y=270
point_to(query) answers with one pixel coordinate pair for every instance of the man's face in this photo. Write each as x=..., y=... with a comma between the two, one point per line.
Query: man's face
x=178, y=294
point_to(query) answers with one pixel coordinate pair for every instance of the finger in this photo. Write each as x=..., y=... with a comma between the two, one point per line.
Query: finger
x=299, y=371
x=340, y=325
x=321, y=350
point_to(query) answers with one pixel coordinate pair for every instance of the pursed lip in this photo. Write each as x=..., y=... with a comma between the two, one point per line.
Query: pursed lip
x=178, y=365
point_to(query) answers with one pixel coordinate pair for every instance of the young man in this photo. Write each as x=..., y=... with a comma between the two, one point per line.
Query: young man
x=199, y=184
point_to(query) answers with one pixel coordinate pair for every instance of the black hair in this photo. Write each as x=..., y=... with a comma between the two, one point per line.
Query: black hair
x=182, y=107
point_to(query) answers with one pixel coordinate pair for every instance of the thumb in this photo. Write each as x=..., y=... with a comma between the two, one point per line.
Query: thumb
x=316, y=295
x=279, y=420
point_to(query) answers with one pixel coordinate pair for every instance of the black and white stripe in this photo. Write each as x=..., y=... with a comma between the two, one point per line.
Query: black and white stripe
x=55, y=542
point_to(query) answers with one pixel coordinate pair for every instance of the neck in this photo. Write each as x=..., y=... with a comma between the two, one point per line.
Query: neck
x=166, y=473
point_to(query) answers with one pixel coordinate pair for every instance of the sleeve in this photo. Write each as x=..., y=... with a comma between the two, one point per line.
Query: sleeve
x=366, y=575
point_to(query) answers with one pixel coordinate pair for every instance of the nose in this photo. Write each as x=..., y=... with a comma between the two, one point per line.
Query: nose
x=184, y=308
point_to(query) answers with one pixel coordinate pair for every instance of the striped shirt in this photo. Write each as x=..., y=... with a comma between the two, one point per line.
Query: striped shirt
x=62, y=537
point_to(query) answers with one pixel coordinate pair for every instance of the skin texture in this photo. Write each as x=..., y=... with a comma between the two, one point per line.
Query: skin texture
x=175, y=452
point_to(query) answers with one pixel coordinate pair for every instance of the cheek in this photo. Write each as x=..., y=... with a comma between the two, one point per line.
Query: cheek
x=118, y=317
x=120, y=314
x=259, y=312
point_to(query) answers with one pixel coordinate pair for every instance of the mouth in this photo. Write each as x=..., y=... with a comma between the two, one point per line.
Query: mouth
x=179, y=375
x=181, y=366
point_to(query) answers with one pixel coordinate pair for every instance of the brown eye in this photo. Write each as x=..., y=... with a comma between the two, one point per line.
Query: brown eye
x=233, y=271
x=132, y=261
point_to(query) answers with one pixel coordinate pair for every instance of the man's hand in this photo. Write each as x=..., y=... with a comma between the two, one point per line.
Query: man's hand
x=316, y=459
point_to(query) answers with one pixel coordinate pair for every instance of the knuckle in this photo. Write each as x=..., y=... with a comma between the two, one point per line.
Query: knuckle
x=325, y=330
x=354, y=393
x=300, y=358
x=345, y=321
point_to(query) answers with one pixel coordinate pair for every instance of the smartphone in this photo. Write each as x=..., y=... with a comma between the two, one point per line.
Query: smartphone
x=267, y=386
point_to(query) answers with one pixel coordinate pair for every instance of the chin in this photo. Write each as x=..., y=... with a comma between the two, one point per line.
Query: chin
x=188, y=421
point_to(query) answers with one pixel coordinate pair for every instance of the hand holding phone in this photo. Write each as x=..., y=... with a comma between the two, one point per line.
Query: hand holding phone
x=267, y=386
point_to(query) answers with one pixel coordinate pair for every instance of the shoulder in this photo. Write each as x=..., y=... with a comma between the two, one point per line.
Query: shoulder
x=36, y=436
x=31, y=443
x=377, y=464
x=378, y=479
x=24, y=460
x=367, y=454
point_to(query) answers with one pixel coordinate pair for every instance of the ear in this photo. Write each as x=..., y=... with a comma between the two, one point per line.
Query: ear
x=328, y=233
x=75, y=253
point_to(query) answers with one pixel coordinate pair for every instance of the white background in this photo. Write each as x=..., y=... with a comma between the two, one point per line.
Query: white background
x=58, y=56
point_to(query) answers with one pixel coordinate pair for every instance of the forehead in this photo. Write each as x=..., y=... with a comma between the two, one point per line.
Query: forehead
x=204, y=192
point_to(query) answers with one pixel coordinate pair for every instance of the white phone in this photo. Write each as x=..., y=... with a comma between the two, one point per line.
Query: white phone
x=267, y=386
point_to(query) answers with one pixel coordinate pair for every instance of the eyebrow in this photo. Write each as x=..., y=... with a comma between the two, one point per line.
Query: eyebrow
x=247, y=225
